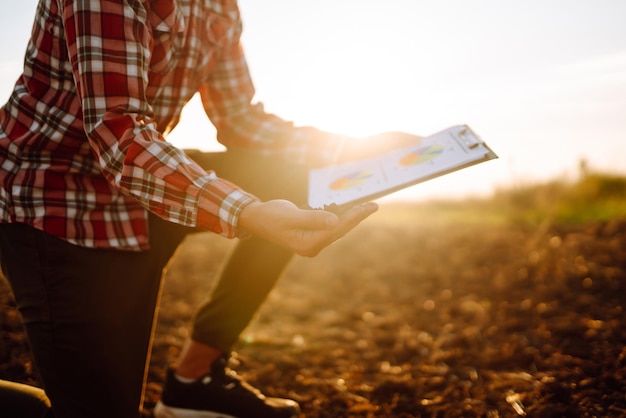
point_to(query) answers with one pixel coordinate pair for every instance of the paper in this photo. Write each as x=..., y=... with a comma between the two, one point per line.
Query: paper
x=354, y=182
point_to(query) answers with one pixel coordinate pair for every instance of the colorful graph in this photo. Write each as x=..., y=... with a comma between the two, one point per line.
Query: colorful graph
x=421, y=155
x=351, y=180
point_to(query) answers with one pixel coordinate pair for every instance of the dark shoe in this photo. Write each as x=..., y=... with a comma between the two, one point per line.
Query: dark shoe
x=220, y=394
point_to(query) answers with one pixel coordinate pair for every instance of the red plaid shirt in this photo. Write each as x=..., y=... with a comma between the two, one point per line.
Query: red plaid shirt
x=82, y=152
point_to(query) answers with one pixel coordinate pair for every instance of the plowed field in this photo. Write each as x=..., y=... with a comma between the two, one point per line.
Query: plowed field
x=412, y=317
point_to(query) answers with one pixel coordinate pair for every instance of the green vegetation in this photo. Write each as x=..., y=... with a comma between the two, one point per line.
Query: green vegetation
x=593, y=197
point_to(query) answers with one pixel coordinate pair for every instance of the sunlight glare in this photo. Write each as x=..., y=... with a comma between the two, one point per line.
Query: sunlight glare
x=195, y=130
x=358, y=68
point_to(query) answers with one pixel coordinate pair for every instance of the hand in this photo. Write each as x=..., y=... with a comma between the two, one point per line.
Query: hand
x=305, y=232
x=375, y=145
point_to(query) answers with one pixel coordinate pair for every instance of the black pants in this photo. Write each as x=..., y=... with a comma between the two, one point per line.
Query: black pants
x=89, y=313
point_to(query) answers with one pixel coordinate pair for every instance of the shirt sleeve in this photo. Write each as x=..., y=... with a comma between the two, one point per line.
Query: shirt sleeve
x=227, y=98
x=110, y=48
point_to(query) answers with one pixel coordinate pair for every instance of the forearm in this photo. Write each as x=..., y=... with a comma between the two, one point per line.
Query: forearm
x=241, y=124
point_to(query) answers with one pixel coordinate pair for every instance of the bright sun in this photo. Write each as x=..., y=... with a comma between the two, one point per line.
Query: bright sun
x=349, y=79
x=195, y=130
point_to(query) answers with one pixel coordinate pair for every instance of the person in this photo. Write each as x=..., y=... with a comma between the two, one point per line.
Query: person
x=94, y=201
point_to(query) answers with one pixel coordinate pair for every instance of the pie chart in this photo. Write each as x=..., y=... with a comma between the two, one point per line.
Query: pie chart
x=421, y=155
x=351, y=180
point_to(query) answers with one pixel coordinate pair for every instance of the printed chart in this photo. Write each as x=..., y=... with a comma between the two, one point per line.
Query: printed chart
x=421, y=155
x=438, y=154
x=351, y=180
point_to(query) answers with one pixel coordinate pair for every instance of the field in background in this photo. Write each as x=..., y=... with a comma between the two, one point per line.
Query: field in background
x=499, y=307
x=593, y=197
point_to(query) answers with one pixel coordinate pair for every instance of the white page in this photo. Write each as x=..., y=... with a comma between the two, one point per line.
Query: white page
x=445, y=151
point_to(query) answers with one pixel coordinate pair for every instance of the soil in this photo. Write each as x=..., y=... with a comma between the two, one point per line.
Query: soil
x=407, y=318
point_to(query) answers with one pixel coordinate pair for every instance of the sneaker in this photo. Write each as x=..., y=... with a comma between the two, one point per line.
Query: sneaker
x=219, y=394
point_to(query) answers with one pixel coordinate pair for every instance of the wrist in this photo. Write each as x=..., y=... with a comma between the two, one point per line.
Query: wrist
x=220, y=214
x=246, y=218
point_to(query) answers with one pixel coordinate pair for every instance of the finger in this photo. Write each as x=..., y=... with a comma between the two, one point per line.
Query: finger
x=358, y=213
x=314, y=220
x=353, y=217
x=347, y=221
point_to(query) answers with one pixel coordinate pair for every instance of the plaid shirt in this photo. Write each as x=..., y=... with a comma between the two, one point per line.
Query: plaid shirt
x=82, y=151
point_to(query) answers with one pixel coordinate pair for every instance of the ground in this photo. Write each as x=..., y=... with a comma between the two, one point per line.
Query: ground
x=414, y=317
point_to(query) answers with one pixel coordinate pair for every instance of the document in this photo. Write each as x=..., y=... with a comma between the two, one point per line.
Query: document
x=348, y=184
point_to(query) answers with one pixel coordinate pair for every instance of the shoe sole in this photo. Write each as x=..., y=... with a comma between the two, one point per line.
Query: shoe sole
x=163, y=411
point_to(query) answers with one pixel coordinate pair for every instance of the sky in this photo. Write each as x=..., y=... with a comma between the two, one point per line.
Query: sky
x=542, y=82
